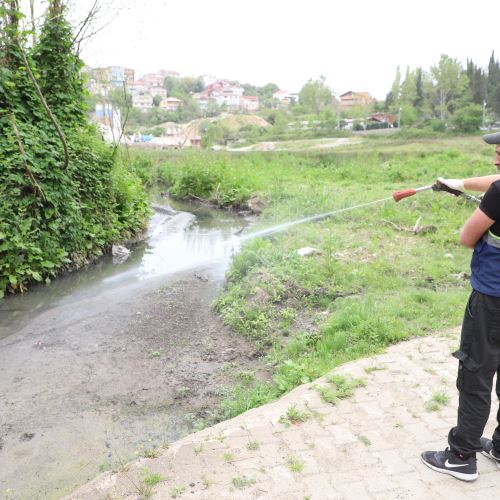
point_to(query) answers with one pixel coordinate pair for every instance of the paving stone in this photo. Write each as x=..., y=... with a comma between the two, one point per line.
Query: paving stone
x=355, y=489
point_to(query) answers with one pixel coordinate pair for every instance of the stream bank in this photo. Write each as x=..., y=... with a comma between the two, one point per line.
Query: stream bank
x=117, y=365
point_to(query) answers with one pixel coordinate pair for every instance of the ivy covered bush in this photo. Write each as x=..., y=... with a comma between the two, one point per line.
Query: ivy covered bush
x=65, y=196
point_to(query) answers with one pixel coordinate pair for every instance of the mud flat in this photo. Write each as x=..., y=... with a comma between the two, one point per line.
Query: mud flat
x=110, y=372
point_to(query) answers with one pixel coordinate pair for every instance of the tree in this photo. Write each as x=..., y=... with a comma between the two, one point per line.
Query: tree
x=468, y=119
x=392, y=98
x=315, y=96
x=183, y=87
x=419, y=88
x=477, y=83
x=59, y=68
x=156, y=101
x=409, y=88
x=450, y=83
x=493, y=85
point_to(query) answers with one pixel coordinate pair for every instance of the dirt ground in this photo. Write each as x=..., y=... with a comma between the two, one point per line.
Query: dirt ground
x=90, y=384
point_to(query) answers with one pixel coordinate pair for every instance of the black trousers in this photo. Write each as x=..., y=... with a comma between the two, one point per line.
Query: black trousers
x=479, y=361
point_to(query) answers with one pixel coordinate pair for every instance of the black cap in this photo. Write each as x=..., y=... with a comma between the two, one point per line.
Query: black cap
x=492, y=138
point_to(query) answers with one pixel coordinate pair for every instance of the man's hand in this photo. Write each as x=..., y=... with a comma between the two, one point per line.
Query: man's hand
x=455, y=184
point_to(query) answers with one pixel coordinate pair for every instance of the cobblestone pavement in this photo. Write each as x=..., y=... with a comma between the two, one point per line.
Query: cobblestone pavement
x=364, y=447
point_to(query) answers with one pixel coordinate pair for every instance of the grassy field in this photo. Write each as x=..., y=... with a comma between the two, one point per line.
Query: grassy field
x=371, y=283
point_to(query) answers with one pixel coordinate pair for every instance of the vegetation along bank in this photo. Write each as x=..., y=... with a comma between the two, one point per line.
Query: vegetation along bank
x=65, y=196
x=373, y=280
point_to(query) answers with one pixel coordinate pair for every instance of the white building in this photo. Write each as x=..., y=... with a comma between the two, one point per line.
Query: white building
x=142, y=101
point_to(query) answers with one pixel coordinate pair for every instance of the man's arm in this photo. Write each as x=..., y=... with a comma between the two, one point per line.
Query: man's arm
x=475, y=226
x=480, y=183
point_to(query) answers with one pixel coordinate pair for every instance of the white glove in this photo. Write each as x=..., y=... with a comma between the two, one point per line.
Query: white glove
x=456, y=184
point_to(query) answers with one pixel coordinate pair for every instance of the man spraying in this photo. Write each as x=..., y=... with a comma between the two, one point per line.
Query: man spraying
x=479, y=353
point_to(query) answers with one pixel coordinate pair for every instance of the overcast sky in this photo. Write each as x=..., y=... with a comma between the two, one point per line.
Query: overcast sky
x=357, y=45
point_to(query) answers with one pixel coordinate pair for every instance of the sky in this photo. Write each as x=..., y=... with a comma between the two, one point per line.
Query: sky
x=356, y=45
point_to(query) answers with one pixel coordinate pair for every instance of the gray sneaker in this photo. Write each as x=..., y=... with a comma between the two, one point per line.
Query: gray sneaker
x=447, y=462
x=489, y=451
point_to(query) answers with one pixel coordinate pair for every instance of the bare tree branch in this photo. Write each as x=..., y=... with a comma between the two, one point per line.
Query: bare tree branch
x=84, y=24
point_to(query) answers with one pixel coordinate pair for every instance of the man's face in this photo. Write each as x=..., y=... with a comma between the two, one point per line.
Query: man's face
x=497, y=158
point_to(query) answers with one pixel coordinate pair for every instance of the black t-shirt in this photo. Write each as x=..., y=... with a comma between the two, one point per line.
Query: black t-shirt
x=490, y=205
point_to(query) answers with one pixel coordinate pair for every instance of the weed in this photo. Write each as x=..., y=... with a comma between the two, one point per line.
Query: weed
x=364, y=439
x=152, y=479
x=328, y=395
x=293, y=416
x=294, y=464
x=438, y=401
x=430, y=370
x=198, y=448
x=228, y=365
x=145, y=487
x=344, y=386
x=151, y=453
x=253, y=445
x=245, y=377
x=176, y=491
x=373, y=368
x=242, y=482
x=208, y=344
x=207, y=482
x=341, y=388
x=228, y=457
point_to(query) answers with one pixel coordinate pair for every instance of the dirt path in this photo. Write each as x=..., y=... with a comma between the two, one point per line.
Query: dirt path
x=83, y=391
x=365, y=447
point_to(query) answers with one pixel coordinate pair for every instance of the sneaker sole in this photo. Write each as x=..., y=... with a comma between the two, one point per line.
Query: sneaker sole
x=458, y=475
x=492, y=458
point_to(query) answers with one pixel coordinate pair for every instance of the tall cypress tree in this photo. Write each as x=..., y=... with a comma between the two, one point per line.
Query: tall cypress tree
x=493, y=85
x=419, y=99
x=477, y=82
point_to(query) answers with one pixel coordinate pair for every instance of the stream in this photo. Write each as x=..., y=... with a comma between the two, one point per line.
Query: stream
x=117, y=360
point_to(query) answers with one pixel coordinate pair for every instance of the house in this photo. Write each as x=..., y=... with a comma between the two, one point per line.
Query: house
x=170, y=73
x=153, y=80
x=350, y=99
x=170, y=104
x=203, y=100
x=249, y=102
x=159, y=91
x=142, y=101
x=137, y=87
x=208, y=79
x=285, y=97
x=383, y=118
x=110, y=121
x=227, y=98
x=129, y=75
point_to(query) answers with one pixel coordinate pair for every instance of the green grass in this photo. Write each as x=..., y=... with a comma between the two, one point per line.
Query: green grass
x=371, y=285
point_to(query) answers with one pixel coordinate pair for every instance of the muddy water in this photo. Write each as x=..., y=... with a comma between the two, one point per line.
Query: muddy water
x=116, y=360
x=194, y=237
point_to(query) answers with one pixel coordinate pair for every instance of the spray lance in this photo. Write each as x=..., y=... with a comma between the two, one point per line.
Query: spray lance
x=437, y=186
